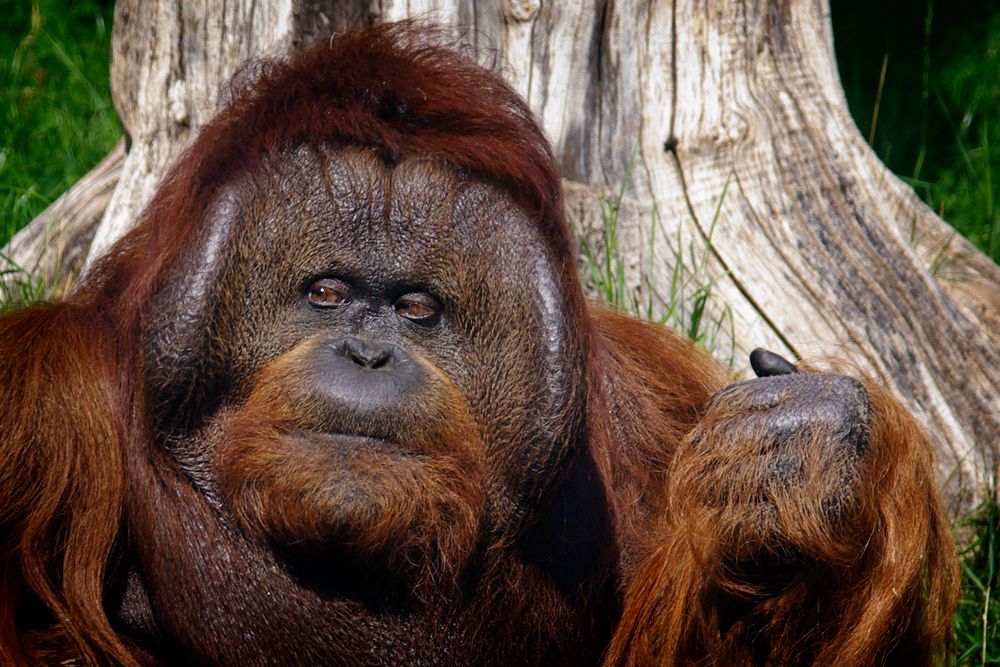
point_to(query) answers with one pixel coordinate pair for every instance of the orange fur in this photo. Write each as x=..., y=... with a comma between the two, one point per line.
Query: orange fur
x=61, y=484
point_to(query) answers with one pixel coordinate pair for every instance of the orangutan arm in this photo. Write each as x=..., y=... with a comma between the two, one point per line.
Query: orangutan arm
x=801, y=526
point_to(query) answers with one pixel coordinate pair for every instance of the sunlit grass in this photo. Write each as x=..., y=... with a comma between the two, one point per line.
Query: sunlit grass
x=56, y=116
x=690, y=305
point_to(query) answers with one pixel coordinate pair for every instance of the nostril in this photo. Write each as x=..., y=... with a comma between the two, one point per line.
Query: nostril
x=369, y=354
x=380, y=361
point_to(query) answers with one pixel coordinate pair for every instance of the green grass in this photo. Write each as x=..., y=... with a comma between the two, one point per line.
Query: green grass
x=18, y=286
x=690, y=306
x=57, y=117
x=977, y=622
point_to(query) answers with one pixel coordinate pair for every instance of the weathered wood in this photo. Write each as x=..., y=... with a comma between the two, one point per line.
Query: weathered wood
x=724, y=120
x=169, y=62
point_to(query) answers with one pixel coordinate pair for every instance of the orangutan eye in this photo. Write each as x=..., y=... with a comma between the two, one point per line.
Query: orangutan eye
x=419, y=307
x=329, y=293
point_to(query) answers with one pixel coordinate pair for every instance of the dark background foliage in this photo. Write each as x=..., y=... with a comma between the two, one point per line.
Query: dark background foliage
x=933, y=116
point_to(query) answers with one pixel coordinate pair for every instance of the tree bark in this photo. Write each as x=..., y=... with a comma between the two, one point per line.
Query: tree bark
x=724, y=128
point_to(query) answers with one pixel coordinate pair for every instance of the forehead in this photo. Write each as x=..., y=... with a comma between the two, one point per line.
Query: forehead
x=334, y=197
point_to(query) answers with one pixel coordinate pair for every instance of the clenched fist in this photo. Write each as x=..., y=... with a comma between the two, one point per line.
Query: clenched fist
x=779, y=454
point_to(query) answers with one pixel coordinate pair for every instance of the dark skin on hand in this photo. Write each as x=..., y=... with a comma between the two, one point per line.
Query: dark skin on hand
x=339, y=399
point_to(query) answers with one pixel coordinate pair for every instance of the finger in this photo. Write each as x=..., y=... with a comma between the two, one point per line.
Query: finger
x=766, y=363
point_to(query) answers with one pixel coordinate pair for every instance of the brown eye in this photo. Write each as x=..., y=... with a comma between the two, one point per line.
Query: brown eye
x=329, y=293
x=419, y=307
